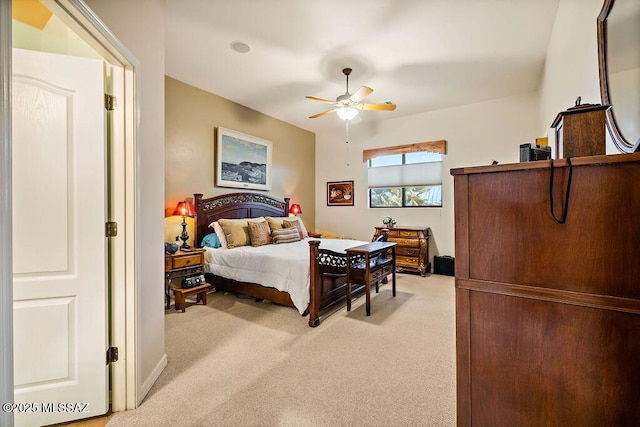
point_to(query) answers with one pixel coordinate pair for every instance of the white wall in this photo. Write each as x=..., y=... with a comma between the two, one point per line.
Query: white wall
x=476, y=134
x=139, y=25
x=571, y=68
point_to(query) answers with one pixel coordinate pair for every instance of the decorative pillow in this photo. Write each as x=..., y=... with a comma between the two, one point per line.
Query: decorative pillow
x=218, y=230
x=294, y=224
x=285, y=235
x=236, y=231
x=211, y=240
x=275, y=223
x=259, y=232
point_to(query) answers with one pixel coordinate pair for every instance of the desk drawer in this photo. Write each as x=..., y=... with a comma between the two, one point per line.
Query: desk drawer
x=187, y=261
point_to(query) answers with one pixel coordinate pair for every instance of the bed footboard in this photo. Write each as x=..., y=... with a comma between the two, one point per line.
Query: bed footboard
x=327, y=281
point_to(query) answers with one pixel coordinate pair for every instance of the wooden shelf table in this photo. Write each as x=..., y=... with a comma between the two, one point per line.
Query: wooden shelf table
x=369, y=264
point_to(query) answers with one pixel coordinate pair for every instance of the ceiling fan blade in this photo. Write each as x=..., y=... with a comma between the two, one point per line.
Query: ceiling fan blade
x=324, y=113
x=361, y=94
x=386, y=106
x=326, y=101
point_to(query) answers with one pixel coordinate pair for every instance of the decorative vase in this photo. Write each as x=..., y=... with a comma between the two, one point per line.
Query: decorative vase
x=170, y=248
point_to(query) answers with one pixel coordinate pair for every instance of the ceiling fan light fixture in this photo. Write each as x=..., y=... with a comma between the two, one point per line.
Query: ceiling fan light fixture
x=347, y=113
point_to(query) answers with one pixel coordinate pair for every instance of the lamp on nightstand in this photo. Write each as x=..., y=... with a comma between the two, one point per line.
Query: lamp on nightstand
x=295, y=209
x=186, y=210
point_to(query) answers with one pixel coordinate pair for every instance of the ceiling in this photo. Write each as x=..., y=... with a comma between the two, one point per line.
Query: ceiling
x=422, y=55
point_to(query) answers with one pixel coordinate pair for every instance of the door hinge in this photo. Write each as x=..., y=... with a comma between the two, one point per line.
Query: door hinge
x=111, y=229
x=112, y=354
x=109, y=102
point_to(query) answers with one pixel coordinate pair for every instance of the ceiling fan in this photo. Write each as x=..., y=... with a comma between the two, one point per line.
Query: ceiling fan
x=347, y=104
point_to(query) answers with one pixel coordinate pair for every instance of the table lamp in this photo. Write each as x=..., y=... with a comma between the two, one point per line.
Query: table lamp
x=185, y=209
x=295, y=209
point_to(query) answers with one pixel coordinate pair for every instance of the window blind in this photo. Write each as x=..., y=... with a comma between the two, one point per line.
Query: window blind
x=407, y=175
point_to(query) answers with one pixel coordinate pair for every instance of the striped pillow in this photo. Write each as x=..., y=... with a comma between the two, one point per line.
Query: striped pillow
x=294, y=224
x=285, y=235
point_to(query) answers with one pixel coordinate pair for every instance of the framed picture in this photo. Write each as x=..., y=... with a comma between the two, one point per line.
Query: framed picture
x=340, y=193
x=243, y=161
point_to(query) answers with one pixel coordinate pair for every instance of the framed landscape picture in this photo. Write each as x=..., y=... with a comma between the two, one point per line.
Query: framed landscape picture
x=243, y=161
x=340, y=193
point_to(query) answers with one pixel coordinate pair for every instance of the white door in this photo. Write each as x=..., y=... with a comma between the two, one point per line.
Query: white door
x=59, y=245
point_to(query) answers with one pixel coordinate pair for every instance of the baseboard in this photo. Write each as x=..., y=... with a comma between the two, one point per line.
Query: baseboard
x=153, y=377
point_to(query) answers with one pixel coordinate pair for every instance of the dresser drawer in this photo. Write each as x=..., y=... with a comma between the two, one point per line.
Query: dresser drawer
x=407, y=261
x=187, y=261
x=406, y=243
x=408, y=252
x=409, y=234
x=393, y=233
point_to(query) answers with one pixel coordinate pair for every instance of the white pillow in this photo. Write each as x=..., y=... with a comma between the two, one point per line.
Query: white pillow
x=218, y=230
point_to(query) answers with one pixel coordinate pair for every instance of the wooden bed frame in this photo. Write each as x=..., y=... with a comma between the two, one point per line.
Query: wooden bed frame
x=327, y=284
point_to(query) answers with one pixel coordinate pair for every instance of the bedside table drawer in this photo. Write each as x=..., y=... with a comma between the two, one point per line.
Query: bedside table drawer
x=187, y=261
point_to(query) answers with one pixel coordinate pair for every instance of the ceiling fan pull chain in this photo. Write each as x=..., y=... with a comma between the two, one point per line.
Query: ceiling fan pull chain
x=347, y=141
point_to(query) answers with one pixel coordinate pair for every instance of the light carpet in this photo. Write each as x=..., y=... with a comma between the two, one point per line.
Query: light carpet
x=238, y=362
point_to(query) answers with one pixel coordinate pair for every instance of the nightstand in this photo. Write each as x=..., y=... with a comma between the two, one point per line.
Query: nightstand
x=180, y=265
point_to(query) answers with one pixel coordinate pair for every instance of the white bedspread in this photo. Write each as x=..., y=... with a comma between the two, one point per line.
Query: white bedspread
x=284, y=266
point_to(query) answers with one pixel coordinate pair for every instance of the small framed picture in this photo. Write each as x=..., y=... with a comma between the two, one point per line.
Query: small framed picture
x=340, y=193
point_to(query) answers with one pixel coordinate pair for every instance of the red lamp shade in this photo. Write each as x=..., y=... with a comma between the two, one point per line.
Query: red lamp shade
x=184, y=209
x=295, y=209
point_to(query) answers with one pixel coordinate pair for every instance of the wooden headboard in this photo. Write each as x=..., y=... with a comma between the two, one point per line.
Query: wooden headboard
x=235, y=205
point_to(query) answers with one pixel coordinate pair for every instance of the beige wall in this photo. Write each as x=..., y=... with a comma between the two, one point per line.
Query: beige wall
x=191, y=117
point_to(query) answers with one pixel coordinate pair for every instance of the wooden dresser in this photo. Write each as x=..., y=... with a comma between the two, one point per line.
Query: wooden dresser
x=548, y=314
x=412, y=247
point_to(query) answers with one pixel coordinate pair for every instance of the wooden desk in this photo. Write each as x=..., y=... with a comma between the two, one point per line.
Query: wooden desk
x=367, y=264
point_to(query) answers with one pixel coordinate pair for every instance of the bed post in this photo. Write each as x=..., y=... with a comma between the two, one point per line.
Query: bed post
x=315, y=284
x=197, y=200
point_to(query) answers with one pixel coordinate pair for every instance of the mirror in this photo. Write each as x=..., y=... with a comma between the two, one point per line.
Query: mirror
x=619, y=60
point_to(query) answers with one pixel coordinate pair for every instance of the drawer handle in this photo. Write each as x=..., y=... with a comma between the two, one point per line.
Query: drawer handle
x=188, y=261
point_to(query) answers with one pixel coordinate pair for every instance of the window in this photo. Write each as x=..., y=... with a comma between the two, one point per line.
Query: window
x=406, y=180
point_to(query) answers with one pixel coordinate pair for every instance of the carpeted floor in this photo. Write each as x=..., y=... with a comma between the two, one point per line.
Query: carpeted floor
x=237, y=362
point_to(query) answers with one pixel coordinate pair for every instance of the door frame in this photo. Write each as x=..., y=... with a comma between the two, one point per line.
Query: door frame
x=124, y=196
x=6, y=238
